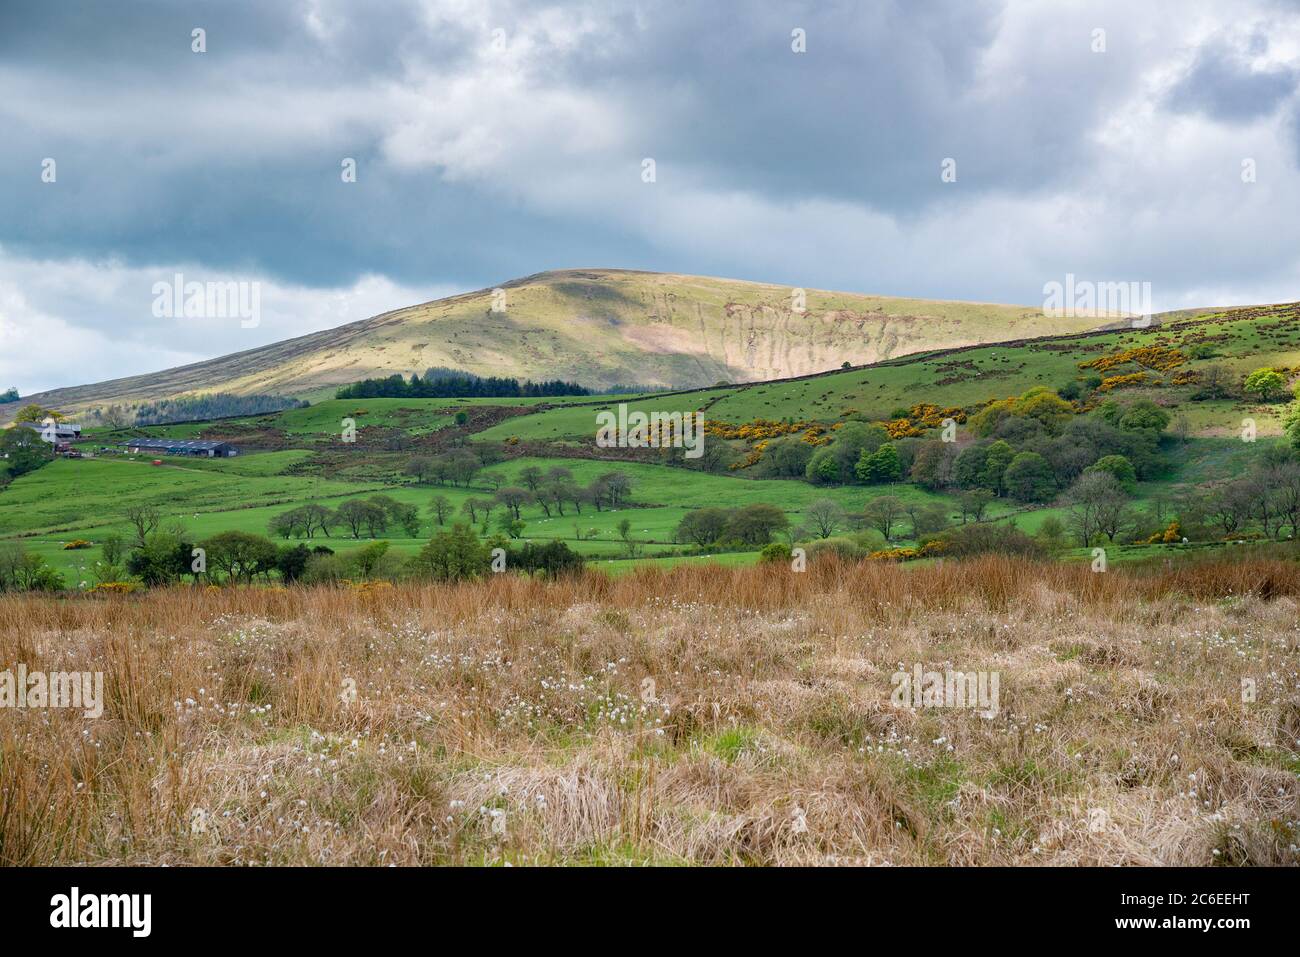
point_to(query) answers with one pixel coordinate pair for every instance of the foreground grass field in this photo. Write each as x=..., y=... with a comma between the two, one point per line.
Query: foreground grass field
x=706, y=715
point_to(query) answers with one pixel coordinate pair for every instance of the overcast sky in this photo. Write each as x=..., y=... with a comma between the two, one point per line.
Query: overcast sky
x=497, y=139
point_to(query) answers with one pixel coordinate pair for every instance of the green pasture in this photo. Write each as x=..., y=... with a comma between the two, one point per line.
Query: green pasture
x=962, y=378
x=89, y=498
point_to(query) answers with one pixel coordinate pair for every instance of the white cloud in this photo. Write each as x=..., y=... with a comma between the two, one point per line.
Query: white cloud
x=1159, y=191
x=1069, y=160
x=69, y=322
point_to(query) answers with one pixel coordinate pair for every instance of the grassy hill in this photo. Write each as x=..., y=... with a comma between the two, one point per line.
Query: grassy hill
x=600, y=327
x=1237, y=340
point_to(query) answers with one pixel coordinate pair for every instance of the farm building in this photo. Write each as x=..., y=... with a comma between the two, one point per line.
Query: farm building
x=63, y=431
x=199, y=447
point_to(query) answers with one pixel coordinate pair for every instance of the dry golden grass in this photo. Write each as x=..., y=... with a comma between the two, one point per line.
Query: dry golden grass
x=507, y=720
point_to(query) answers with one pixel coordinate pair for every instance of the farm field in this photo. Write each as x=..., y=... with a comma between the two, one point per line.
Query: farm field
x=226, y=494
x=415, y=416
x=246, y=492
x=298, y=457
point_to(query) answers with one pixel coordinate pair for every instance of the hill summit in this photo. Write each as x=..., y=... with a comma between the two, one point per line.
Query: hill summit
x=599, y=327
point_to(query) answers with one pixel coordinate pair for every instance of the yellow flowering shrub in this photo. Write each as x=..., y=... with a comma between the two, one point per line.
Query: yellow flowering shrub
x=1123, y=381
x=1157, y=357
x=893, y=555
x=115, y=588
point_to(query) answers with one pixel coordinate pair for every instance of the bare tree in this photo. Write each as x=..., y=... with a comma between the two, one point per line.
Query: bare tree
x=420, y=467
x=117, y=417
x=1273, y=495
x=514, y=498
x=441, y=507
x=884, y=513
x=531, y=477
x=1216, y=383
x=974, y=504
x=1286, y=491
x=462, y=466
x=617, y=486
x=145, y=520
x=825, y=517
x=1229, y=506
x=542, y=497
x=1099, y=506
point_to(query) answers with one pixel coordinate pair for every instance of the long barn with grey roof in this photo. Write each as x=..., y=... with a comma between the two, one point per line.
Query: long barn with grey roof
x=200, y=447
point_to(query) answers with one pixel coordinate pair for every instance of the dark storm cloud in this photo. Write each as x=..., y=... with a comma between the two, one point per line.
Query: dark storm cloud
x=496, y=139
x=1222, y=84
x=885, y=93
x=150, y=194
x=866, y=114
x=150, y=39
